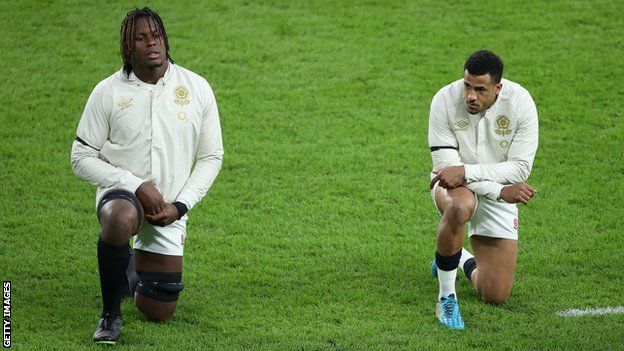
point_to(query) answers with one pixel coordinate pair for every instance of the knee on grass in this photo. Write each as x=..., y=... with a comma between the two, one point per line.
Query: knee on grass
x=154, y=311
x=157, y=294
x=495, y=297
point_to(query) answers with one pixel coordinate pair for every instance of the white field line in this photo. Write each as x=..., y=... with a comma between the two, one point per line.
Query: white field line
x=591, y=311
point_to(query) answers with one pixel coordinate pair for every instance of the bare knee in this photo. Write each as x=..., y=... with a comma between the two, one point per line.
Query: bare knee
x=495, y=300
x=458, y=213
x=496, y=263
x=160, y=284
x=119, y=221
x=494, y=289
x=157, y=316
x=155, y=311
x=496, y=297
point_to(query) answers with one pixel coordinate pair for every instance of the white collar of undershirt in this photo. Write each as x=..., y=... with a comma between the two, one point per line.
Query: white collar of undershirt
x=136, y=79
x=133, y=78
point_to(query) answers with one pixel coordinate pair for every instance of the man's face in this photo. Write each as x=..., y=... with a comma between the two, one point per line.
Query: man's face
x=480, y=92
x=149, y=46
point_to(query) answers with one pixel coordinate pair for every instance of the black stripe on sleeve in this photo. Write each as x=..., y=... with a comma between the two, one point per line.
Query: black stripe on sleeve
x=436, y=148
x=85, y=143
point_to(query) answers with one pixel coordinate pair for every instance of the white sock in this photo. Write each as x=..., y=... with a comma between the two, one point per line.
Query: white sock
x=447, y=282
x=465, y=256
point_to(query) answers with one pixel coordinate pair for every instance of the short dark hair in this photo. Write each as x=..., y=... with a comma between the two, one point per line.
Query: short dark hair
x=127, y=33
x=484, y=62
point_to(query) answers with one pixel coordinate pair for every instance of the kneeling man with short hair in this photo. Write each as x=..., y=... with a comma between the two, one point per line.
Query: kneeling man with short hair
x=483, y=135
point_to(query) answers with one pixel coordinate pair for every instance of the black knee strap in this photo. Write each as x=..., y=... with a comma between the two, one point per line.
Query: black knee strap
x=469, y=266
x=448, y=263
x=165, y=287
x=122, y=194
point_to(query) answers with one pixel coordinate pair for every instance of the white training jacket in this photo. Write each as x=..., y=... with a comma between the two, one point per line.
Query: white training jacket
x=131, y=132
x=497, y=147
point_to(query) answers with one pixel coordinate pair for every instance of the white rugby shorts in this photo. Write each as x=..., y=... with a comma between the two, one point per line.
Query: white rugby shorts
x=491, y=218
x=167, y=240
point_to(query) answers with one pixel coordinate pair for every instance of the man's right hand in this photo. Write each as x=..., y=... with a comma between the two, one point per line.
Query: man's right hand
x=151, y=199
x=520, y=192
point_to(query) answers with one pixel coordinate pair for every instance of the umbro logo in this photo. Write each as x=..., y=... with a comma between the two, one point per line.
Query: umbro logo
x=462, y=124
x=124, y=103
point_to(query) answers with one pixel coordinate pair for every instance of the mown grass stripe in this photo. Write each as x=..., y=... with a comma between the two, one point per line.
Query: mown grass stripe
x=591, y=311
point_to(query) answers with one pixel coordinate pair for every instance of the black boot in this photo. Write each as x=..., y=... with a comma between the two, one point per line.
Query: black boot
x=108, y=330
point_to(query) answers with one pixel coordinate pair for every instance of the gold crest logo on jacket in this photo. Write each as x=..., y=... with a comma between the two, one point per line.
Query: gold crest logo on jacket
x=181, y=94
x=502, y=123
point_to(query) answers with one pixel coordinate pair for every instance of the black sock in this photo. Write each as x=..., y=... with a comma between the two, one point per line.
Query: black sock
x=112, y=263
x=469, y=266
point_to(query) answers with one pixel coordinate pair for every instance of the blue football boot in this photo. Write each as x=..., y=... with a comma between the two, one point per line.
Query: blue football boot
x=447, y=311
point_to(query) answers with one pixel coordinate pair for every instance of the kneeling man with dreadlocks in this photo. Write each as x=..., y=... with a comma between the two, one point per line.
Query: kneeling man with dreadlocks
x=141, y=131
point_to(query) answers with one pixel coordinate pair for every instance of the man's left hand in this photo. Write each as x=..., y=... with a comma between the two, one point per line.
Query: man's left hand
x=168, y=215
x=449, y=177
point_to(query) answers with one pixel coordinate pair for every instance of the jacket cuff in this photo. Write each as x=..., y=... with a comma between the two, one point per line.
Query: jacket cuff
x=130, y=182
x=493, y=191
x=472, y=173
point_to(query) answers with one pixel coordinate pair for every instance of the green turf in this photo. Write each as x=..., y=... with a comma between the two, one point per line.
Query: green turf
x=317, y=234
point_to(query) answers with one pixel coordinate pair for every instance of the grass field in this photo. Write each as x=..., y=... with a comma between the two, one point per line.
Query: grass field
x=318, y=232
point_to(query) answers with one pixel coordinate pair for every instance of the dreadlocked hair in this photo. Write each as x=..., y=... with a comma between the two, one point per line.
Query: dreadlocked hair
x=127, y=34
